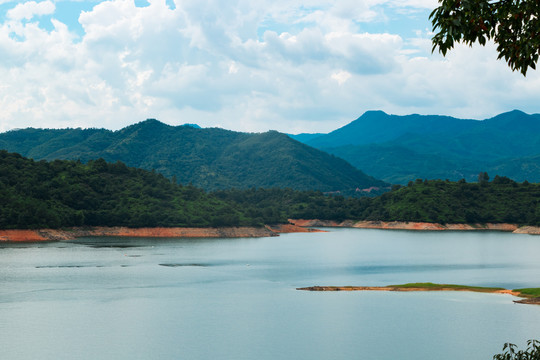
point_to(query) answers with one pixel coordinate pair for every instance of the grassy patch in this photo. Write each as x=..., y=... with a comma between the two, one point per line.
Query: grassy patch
x=532, y=292
x=433, y=286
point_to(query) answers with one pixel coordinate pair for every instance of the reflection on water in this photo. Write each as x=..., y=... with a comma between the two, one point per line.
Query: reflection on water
x=118, y=298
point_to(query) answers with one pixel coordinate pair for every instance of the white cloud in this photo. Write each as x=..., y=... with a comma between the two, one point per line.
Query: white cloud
x=341, y=76
x=233, y=68
x=427, y=4
x=28, y=10
x=288, y=65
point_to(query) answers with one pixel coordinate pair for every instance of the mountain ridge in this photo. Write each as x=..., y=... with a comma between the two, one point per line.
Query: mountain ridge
x=402, y=148
x=210, y=158
x=378, y=126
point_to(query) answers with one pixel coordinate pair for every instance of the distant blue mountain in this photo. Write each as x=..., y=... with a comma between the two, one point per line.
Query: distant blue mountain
x=304, y=138
x=402, y=148
x=195, y=126
x=375, y=127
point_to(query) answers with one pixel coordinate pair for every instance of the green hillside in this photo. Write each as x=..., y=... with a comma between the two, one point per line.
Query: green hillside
x=207, y=158
x=65, y=193
x=437, y=201
x=68, y=193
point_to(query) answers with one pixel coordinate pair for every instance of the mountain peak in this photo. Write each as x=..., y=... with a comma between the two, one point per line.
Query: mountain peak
x=210, y=158
x=151, y=122
x=374, y=112
x=148, y=124
x=371, y=115
x=513, y=114
x=515, y=120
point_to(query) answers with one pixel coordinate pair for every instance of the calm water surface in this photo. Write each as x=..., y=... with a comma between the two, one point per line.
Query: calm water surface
x=111, y=298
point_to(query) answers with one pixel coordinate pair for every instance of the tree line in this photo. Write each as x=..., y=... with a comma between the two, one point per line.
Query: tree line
x=65, y=193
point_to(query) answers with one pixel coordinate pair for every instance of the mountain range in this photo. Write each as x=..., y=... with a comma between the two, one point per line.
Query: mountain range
x=399, y=149
x=396, y=149
x=209, y=158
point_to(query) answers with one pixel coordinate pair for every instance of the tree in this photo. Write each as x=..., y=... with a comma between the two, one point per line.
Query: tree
x=510, y=353
x=514, y=26
x=483, y=178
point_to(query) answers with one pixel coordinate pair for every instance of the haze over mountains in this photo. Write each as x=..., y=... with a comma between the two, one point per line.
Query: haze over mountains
x=398, y=149
x=208, y=158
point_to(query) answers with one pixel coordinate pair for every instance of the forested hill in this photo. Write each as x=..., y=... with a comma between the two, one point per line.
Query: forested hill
x=435, y=201
x=398, y=149
x=207, y=158
x=64, y=193
x=499, y=201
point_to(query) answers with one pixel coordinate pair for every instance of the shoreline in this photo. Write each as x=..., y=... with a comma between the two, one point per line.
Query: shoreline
x=294, y=226
x=417, y=226
x=155, y=232
x=525, y=299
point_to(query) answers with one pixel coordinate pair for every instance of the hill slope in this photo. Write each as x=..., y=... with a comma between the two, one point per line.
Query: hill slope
x=68, y=193
x=499, y=201
x=402, y=148
x=208, y=158
x=65, y=193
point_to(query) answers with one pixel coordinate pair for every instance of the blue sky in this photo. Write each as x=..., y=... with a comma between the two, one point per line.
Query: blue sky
x=288, y=65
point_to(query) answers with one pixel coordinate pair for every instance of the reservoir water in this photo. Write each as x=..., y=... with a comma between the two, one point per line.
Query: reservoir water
x=127, y=298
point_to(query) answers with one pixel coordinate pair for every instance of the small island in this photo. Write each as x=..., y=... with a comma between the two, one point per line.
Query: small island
x=529, y=295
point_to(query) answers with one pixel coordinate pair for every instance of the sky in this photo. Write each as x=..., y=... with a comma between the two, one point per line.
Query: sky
x=288, y=65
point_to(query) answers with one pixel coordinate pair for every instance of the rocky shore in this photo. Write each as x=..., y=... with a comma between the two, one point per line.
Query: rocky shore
x=530, y=301
x=420, y=226
x=73, y=233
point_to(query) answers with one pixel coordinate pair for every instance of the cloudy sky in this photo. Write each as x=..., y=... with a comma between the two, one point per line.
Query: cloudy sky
x=288, y=65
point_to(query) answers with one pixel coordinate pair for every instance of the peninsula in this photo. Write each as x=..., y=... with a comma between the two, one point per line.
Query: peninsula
x=529, y=295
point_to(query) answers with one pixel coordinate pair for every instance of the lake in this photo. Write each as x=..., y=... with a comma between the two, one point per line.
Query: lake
x=128, y=298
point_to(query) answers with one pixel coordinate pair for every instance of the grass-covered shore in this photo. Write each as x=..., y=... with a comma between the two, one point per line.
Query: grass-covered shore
x=529, y=295
x=529, y=292
x=427, y=286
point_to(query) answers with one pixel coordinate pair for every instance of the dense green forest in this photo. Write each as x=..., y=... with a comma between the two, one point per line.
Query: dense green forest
x=499, y=201
x=64, y=193
x=207, y=158
x=279, y=205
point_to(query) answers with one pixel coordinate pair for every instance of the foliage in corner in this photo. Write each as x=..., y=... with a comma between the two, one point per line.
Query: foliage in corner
x=510, y=352
x=514, y=26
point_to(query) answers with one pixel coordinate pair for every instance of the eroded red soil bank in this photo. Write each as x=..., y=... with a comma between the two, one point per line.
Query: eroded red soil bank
x=296, y=225
x=72, y=233
x=421, y=226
